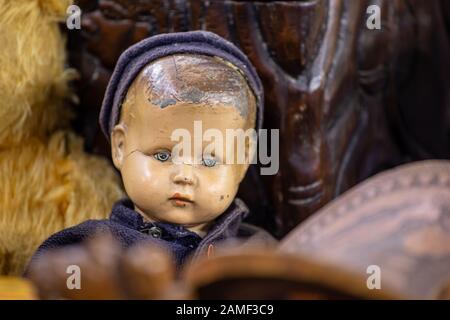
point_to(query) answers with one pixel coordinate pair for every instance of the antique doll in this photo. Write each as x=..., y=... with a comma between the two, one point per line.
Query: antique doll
x=159, y=85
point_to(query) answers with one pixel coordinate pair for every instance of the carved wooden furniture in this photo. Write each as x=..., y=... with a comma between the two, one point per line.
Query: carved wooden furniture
x=349, y=101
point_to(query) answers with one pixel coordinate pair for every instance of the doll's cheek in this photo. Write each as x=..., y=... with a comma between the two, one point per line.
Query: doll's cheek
x=136, y=170
x=220, y=179
x=221, y=188
x=141, y=178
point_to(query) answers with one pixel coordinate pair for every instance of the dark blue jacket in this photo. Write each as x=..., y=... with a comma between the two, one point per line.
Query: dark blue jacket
x=128, y=227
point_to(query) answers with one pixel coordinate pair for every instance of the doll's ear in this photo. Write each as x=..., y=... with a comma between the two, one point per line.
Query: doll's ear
x=118, y=145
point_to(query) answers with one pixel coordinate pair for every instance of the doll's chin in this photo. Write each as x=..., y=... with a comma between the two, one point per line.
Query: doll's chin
x=191, y=214
x=184, y=216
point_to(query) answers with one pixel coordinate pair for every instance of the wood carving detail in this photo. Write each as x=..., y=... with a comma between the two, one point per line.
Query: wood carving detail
x=344, y=97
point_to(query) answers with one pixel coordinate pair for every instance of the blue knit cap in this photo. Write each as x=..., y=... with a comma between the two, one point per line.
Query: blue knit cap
x=136, y=57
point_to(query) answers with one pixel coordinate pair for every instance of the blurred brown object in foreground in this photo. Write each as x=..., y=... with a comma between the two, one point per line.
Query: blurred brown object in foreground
x=148, y=272
x=258, y=274
x=14, y=288
x=397, y=222
x=87, y=271
x=445, y=292
x=106, y=271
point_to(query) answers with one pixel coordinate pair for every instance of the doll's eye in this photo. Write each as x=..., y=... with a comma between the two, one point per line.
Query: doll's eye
x=162, y=156
x=209, y=162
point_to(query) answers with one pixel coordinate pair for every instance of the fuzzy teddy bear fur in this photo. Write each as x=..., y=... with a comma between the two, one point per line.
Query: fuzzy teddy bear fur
x=47, y=181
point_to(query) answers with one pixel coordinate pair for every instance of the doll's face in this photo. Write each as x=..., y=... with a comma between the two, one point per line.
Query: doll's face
x=191, y=191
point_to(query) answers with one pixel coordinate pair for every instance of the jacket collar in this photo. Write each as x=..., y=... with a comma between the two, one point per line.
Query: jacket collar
x=225, y=226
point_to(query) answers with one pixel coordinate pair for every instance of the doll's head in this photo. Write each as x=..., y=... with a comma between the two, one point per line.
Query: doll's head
x=168, y=94
x=173, y=92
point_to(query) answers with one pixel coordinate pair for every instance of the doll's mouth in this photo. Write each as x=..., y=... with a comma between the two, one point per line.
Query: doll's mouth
x=181, y=200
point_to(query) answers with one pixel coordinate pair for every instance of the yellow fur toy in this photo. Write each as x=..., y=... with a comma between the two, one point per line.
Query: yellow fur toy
x=47, y=182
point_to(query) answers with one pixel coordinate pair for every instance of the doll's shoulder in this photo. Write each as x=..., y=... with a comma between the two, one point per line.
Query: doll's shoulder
x=87, y=229
x=77, y=234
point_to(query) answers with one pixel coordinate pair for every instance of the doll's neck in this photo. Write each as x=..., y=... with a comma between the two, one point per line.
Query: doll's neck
x=201, y=229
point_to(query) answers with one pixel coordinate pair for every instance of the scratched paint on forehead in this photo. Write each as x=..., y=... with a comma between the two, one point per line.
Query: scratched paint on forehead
x=198, y=80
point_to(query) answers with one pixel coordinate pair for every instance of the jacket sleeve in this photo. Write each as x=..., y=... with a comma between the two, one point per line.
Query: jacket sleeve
x=67, y=237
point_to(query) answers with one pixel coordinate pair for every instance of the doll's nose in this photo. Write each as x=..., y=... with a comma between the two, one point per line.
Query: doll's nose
x=185, y=175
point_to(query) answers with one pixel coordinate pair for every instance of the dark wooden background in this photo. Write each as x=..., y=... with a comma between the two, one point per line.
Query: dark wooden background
x=349, y=101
